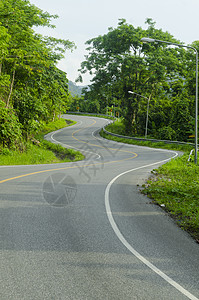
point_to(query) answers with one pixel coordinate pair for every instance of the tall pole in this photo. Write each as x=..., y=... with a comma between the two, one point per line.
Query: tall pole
x=150, y=40
x=147, y=118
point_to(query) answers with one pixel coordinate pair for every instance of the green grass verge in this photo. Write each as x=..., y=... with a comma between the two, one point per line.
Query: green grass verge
x=174, y=186
x=162, y=145
x=44, y=152
x=118, y=128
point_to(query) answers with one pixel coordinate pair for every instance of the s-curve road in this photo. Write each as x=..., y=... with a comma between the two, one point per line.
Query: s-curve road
x=82, y=230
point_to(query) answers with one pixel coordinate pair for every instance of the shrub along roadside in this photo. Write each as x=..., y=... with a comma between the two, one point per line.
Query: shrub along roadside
x=174, y=186
x=118, y=128
x=39, y=151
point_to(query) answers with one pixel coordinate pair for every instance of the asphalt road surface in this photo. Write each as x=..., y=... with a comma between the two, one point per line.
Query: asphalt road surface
x=83, y=231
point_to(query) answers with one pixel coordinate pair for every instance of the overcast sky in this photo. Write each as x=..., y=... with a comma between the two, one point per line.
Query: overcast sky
x=81, y=20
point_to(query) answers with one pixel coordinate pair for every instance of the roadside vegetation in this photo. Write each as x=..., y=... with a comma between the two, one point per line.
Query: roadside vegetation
x=33, y=91
x=39, y=151
x=118, y=128
x=161, y=79
x=174, y=186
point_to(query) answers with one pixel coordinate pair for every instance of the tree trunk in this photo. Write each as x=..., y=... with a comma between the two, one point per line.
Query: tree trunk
x=54, y=114
x=59, y=114
x=11, y=89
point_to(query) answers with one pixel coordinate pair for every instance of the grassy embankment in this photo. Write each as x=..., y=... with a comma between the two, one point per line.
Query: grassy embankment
x=174, y=186
x=43, y=152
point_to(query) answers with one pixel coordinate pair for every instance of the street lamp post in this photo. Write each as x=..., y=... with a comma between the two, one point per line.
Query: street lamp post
x=147, y=114
x=150, y=40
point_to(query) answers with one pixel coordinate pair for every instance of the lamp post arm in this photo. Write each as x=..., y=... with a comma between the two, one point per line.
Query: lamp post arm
x=130, y=92
x=176, y=44
x=150, y=40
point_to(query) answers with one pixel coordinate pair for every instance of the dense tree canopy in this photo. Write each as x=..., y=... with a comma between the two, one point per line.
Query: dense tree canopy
x=120, y=62
x=31, y=86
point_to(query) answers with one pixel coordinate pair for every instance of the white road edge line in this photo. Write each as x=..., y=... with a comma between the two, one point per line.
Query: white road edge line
x=68, y=146
x=128, y=246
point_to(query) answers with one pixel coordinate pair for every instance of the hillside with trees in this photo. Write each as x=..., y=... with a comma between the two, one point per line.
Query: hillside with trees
x=164, y=76
x=33, y=91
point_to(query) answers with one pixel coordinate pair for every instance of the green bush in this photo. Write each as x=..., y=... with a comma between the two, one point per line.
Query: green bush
x=166, y=133
x=10, y=129
x=93, y=107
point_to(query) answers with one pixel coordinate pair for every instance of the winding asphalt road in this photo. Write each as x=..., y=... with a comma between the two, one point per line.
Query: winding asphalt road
x=83, y=231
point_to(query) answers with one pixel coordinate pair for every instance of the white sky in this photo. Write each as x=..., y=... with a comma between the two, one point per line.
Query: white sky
x=81, y=20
